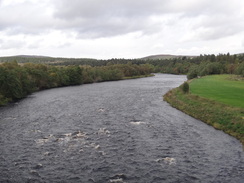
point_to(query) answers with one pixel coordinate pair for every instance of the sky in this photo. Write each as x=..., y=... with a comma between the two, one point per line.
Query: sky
x=104, y=29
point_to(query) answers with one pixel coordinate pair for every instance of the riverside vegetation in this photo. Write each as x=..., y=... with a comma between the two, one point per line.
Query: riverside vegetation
x=22, y=75
x=192, y=65
x=17, y=81
x=217, y=100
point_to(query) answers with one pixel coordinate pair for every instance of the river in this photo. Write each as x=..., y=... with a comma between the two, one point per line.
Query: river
x=118, y=131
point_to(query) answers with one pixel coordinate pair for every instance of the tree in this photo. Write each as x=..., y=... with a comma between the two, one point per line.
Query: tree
x=75, y=75
x=193, y=73
x=240, y=70
x=10, y=84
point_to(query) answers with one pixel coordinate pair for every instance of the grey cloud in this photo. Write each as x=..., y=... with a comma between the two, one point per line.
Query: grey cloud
x=208, y=20
x=106, y=8
x=26, y=17
x=104, y=18
x=219, y=26
x=107, y=18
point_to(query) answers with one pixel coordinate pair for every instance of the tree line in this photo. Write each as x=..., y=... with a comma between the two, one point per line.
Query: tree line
x=221, y=64
x=192, y=65
x=19, y=80
x=201, y=65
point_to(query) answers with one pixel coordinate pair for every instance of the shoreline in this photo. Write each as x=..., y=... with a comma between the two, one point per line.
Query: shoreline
x=6, y=102
x=221, y=116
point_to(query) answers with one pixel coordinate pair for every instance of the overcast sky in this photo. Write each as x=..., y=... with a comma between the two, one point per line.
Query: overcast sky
x=105, y=29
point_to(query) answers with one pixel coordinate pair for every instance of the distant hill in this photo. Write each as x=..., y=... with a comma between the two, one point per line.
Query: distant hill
x=50, y=60
x=31, y=56
x=27, y=58
x=165, y=56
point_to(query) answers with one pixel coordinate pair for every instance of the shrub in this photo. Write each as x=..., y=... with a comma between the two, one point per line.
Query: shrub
x=3, y=100
x=185, y=87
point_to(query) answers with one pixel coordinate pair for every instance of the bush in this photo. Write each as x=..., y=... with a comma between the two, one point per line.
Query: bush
x=185, y=87
x=3, y=100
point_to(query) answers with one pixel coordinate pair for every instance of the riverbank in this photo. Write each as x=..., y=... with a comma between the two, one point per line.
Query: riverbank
x=137, y=77
x=18, y=81
x=221, y=116
x=5, y=101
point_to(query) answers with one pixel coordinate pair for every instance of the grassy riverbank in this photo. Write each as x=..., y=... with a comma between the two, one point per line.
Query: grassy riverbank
x=217, y=100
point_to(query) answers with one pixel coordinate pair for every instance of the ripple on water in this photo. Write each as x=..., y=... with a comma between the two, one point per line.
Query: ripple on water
x=137, y=122
x=112, y=132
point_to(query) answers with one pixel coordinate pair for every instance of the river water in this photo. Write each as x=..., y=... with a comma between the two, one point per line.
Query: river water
x=119, y=131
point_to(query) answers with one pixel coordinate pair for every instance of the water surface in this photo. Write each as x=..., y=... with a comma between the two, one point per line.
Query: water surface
x=119, y=131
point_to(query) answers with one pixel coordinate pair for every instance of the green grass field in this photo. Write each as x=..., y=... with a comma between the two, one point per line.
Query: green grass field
x=226, y=89
x=218, y=100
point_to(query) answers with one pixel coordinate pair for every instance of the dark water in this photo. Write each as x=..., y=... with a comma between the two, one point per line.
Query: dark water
x=113, y=132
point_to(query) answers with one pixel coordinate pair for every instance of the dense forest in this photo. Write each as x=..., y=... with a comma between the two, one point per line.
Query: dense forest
x=201, y=65
x=19, y=80
x=22, y=75
x=192, y=65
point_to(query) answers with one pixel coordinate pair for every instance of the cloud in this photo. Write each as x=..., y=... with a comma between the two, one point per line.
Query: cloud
x=105, y=8
x=91, y=19
x=24, y=17
x=121, y=26
x=9, y=44
x=106, y=18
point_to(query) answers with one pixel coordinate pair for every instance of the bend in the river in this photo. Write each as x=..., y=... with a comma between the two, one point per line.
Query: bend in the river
x=119, y=131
